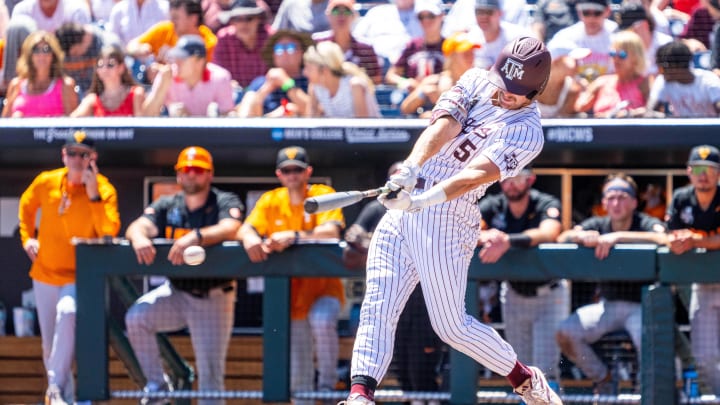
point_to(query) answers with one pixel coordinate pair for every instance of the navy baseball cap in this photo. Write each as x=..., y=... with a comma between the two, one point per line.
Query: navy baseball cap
x=79, y=140
x=704, y=155
x=187, y=46
x=292, y=156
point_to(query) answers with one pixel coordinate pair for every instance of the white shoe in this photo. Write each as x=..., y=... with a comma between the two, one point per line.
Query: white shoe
x=536, y=391
x=356, y=399
x=53, y=396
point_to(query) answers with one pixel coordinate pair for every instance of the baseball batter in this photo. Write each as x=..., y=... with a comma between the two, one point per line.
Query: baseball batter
x=486, y=128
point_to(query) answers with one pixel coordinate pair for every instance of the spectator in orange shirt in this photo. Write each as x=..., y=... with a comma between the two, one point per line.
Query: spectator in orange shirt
x=278, y=222
x=186, y=18
x=76, y=201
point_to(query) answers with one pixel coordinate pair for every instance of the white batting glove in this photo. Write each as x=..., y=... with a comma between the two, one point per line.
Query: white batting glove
x=404, y=178
x=401, y=201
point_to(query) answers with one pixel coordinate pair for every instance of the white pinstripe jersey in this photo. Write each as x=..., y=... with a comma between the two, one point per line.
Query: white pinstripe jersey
x=509, y=138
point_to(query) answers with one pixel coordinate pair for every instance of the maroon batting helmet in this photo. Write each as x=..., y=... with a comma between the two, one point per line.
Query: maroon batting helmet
x=522, y=68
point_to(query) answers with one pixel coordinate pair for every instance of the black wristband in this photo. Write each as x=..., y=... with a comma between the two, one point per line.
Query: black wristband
x=297, y=238
x=520, y=240
x=199, y=236
x=97, y=198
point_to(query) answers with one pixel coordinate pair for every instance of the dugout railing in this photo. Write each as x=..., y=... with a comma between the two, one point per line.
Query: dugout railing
x=97, y=264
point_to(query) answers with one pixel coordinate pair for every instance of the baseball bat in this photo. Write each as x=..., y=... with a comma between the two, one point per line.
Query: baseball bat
x=340, y=199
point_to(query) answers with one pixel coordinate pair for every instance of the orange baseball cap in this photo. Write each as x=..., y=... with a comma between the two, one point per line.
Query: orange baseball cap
x=194, y=156
x=459, y=42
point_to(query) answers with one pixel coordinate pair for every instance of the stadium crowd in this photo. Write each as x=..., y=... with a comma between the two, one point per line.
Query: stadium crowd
x=251, y=58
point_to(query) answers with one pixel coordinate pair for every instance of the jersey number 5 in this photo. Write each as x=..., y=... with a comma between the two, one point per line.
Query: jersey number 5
x=462, y=153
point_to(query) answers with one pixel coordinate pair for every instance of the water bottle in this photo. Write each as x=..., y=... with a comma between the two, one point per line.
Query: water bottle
x=690, y=379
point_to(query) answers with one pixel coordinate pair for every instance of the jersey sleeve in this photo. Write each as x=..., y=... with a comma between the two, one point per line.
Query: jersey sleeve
x=258, y=217
x=157, y=211
x=592, y=224
x=673, y=213
x=516, y=146
x=229, y=206
x=548, y=207
x=457, y=101
x=29, y=204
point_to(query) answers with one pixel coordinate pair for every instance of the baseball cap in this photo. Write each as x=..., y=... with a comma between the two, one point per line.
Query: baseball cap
x=345, y=3
x=592, y=4
x=629, y=14
x=79, y=139
x=488, y=4
x=194, y=156
x=292, y=156
x=704, y=155
x=458, y=42
x=240, y=8
x=187, y=46
x=431, y=6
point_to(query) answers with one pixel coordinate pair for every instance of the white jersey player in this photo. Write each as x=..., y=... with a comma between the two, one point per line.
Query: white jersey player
x=486, y=128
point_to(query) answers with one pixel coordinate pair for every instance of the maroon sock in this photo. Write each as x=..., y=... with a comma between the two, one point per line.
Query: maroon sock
x=519, y=374
x=362, y=390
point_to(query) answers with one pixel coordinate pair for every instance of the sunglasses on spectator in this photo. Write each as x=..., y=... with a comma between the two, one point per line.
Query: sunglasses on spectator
x=42, y=49
x=280, y=49
x=422, y=17
x=591, y=13
x=341, y=11
x=111, y=63
x=698, y=170
x=484, y=11
x=242, y=18
x=292, y=170
x=193, y=170
x=618, y=54
x=74, y=153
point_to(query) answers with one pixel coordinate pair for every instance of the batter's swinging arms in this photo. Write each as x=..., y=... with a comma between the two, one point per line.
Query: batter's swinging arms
x=486, y=128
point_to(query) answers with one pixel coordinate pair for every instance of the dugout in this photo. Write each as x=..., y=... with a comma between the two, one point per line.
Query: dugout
x=351, y=153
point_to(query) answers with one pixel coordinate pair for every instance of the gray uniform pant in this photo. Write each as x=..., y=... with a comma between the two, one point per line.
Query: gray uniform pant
x=317, y=335
x=530, y=324
x=209, y=321
x=705, y=332
x=590, y=323
x=56, y=310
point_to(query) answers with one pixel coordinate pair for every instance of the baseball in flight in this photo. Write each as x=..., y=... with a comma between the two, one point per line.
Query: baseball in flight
x=194, y=255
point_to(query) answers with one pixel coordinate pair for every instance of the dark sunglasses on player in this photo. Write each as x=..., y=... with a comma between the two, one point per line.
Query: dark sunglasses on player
x=74, y=153
x=193, y=170
x=292, y=170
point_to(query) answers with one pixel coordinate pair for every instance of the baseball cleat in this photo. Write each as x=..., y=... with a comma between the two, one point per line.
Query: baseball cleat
x=536, y=391
x=356, y=399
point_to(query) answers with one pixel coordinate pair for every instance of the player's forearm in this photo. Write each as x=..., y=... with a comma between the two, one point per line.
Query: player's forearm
x=480, y=171
x=433, y=138
x=224, y=230
x=323, y=231
x=641, y=237
x=141, y=228
x=708, y=242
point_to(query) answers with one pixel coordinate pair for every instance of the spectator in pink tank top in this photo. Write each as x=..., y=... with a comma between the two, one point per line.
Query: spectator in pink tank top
x=625, y=92
x=113, y=92
x=41, y=88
